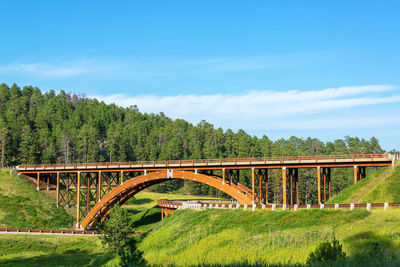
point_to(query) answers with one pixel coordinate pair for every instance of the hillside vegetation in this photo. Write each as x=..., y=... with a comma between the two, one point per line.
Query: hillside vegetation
x=379, y=187
x=21, y=206
x=236, y=237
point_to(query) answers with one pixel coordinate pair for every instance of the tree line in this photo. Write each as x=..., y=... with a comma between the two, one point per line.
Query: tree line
x=62, y=127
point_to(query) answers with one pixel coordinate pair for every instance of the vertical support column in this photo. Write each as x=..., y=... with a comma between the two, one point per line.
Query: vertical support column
x=329, y=183
x=48, y=182
x=252, y=183
x=355, y=174
x=89, y=176
x=122, y=177
x=319, y=184
x=231, y=176
x=284, y=185
x=78, y=199
x=58, y=189
x=38, y=182
x=162, y=214
x=259, y=186
x=67, y=192
x=223, y=175
x=99, y=188
x=296, y=178
x=266, y=186
x=360, y=173
x=291, y=185
x=324, y=175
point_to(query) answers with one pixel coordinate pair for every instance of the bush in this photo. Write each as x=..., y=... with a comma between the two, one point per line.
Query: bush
x=326, y=252
x=117, y=234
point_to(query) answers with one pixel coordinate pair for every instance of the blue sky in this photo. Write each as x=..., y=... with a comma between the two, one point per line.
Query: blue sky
x=305, y=68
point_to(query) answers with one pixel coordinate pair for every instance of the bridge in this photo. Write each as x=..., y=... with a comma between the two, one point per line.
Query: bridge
x=94, y=188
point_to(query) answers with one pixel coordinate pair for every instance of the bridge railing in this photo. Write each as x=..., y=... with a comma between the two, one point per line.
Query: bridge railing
x=206, y=162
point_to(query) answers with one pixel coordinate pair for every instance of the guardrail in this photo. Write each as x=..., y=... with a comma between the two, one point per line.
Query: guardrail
x=209, y=162
x=176, y=204
x=47, y=231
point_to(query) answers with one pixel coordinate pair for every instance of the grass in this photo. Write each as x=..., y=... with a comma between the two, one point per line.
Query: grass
x=236, y=237
x=21, y=206
x=32, y=250
x=372, y=189
x=388, y=190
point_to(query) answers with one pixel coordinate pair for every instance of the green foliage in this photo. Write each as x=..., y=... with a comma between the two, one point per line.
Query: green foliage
x=117, y=234
x=327, y=252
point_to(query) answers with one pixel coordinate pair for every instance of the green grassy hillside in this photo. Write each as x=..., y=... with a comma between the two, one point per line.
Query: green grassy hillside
x=21, y=206
x=236, y=237
x=381, y=186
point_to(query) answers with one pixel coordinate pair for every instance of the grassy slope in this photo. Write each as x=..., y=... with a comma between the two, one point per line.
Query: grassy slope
x=376, y=182
x=235, y=236
x=30, y=250
x=388, y=190
x=21, y=206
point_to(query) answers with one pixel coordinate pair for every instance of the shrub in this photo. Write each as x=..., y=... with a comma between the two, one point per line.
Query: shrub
x=326, y=252
x=117, y=234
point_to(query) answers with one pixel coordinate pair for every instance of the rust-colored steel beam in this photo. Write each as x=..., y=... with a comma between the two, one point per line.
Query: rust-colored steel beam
x=355, y=174
x=266, y=186
x=296, y=175
x=252, y=185
x=209, y=164
x=58, y=189
x=319, y=184
x=78, y=201
x=284, y=201
x=324, y=175
x=347, y=165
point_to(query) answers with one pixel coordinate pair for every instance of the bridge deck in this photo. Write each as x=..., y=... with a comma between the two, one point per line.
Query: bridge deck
x=229, y=163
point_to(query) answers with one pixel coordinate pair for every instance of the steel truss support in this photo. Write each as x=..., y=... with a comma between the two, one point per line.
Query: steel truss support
x=284, y=201
x=319, y=184
x=293, y=178
x=262, y=179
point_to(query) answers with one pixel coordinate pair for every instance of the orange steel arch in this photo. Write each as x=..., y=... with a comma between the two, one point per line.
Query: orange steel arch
x=123, y=192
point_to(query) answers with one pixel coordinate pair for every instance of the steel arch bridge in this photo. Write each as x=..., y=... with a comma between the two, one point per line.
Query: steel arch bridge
x=94, y=188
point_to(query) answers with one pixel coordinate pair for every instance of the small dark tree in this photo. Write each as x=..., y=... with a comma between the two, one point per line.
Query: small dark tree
x=117, y=234
x=326, y=252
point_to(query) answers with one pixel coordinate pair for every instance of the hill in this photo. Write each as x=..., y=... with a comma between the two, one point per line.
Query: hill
x=238, y=237
x=21, y=206
x=379, y=187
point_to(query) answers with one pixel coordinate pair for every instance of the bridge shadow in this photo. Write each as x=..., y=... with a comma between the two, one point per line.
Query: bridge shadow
x=370, y=245
x=140, y=201
x=147, y=217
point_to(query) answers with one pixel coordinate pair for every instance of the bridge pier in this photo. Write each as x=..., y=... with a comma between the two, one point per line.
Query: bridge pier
x=319, y=184
x=284, y=201
x=252, y=185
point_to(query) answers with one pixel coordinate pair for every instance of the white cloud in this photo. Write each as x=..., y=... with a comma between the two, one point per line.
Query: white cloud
x=58, y=70
x=139, y=68
x=262, y=109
